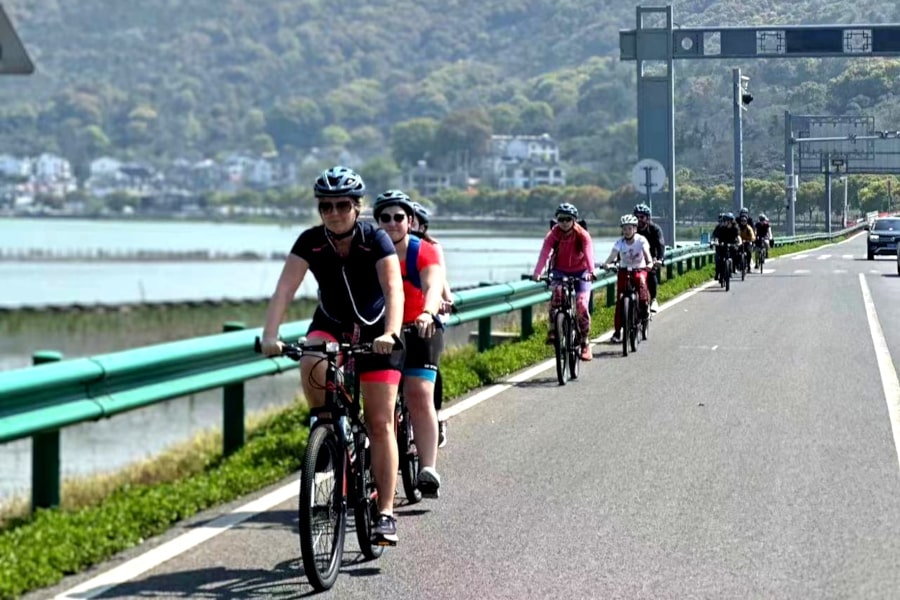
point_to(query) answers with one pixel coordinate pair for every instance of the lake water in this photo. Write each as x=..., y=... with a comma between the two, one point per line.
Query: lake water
x=472, y=256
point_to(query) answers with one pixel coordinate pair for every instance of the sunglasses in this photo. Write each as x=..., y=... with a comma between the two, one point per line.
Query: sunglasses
x=397, y=217
x=564, y=219
x=342, y=207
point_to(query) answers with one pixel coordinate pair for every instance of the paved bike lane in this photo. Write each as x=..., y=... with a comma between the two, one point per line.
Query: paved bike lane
x=744, y=451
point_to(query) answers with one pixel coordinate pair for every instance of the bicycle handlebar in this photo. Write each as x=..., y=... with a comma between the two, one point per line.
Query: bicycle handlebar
x=296, y=351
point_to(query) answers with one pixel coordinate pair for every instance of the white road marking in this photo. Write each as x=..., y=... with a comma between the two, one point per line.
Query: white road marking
x=889, y=382
x=765, y=270
x=847, y=256
x=181, y=544
x=824, y=257
x=839, y=271
x=801, y=271
x=155, y=557
x=800, y=257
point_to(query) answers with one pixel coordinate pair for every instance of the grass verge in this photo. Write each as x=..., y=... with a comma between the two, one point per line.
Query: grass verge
x=103, y=517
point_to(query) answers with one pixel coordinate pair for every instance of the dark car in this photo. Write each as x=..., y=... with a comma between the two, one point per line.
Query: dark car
x=883, y=236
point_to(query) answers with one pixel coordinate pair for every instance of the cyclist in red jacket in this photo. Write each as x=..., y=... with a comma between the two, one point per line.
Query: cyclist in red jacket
x=571, y=253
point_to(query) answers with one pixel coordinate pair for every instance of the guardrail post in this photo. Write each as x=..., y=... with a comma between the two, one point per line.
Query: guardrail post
x=484, y=334
x=527, y=321
x=232, y=406
x=680, y=268
x=610, y=294
x=670, y=271
x=45, y=453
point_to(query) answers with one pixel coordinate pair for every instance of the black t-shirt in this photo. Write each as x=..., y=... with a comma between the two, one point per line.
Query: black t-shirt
x=654, y=235
x=726, y=235
x=349, y=290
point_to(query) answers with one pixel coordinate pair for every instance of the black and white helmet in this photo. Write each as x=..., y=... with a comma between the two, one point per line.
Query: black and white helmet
x=567, y=209
x=392, y=198
x=339, y=181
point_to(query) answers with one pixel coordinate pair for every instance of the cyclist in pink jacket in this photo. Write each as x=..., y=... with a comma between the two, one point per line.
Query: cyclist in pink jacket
x=569, y=248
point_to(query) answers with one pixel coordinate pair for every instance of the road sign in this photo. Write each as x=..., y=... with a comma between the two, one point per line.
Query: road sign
x=648, y=176
x=14, y=59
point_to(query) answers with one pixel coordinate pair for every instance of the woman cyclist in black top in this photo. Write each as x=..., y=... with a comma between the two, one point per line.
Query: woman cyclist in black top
x=360, y=300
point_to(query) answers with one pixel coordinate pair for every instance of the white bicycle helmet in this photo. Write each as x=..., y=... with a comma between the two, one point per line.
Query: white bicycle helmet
x=628, y=220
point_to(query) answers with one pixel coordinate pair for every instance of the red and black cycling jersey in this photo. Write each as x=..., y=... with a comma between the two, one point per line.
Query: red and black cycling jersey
x=349, y=289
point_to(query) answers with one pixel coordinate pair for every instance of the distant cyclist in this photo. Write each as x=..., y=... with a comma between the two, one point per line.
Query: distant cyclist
x=763, y=233
x=725, y=233
x=570, y=250
x=423, y=280
x=631, y=250
x=748, y=236
x=654, y=234
x=360, y=300
x=420, y=224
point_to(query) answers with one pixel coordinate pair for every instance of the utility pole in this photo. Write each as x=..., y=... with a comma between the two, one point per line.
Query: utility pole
x=742, y=98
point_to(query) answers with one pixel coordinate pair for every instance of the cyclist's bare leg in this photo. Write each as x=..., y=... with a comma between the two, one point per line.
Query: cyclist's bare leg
x=419, y=394
x=380, y=399
x=312, y=365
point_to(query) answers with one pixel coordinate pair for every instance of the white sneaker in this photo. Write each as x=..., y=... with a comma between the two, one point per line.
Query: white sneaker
x=429, y=482
x=654, y=306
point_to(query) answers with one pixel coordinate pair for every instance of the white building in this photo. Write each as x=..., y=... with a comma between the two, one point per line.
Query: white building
x=49, y=167
x=525, y=161
x=12, y=166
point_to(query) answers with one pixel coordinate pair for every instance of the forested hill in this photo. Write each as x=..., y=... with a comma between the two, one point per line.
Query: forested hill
x=161, y=79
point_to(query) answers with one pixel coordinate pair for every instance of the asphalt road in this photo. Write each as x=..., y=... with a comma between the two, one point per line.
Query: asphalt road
x=745, y=451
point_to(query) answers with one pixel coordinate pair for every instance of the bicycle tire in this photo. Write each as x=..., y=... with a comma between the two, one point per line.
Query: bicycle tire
x=574, y=344
x=562, y=347
x=626, y=324
x=634, y=336
x=322, y=451
x=365, y=506
x=728, y=265
x=409, y=459
x=743, y=265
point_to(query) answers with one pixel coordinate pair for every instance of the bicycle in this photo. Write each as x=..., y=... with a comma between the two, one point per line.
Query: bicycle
x=761, y=250
x=336, y=472
x=568, y=341
x=724, y=264
x=634, y=318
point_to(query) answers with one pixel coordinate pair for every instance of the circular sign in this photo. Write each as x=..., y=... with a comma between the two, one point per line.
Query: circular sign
x=648, y=176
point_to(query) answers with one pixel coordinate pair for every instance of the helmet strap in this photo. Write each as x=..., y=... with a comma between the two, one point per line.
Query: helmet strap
x=340, y=236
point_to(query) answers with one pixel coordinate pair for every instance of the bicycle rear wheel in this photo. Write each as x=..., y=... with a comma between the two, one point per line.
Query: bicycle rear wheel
x=744, y=266
x=409, y=459
x=365, y=507
x=562, y=347
x=322, y=511
x=728, y=275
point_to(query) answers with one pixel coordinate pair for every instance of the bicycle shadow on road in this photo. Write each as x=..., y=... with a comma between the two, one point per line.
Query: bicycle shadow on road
x=270, y=519
x=285, y=580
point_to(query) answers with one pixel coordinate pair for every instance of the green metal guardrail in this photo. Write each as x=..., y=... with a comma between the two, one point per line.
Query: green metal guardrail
x=53, y=394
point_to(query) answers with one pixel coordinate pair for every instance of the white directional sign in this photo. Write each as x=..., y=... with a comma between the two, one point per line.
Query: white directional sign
x=648, y=173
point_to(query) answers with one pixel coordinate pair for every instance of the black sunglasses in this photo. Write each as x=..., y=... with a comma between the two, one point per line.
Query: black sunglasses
x=397, y=217
x=563, y=219
x=343, y=207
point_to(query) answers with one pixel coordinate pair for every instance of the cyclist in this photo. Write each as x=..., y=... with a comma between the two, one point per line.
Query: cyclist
x=748, y=237
x=654, y=234
x=421, y=218
x=632, y=250
x=745, y=212
x=572, y=256
x=763, y=233
x=726, y=233
x=360, y=300
x=423, y=279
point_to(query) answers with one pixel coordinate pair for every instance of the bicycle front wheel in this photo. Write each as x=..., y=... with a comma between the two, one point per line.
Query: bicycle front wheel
x=574, y=347
x=365, y=507
x=562, y=347
x=322, y=512
x=626, y=324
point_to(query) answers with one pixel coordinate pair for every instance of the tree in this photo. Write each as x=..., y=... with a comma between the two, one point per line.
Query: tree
x=413, y=140
x=296, y=123
x=463, y=137
x=380, y=174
